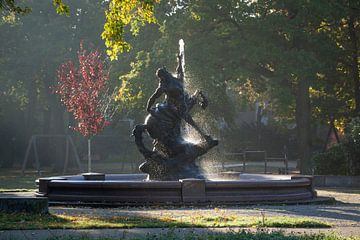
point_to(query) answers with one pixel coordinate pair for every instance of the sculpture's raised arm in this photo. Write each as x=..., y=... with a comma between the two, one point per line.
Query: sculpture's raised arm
x=158, y=92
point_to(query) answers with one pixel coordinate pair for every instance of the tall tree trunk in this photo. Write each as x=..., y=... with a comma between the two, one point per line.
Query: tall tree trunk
x=303, y=118
x=303, y=113
x=355, y=62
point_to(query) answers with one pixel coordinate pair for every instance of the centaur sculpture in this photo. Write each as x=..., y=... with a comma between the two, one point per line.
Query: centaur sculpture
x=172, y=157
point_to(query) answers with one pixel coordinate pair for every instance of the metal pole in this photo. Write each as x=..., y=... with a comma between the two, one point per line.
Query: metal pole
x=244, y=161
x=37, y=162
x=265, y=162
x=66, y=154
x=26, y=158
x=89, y=155
x=286, y=160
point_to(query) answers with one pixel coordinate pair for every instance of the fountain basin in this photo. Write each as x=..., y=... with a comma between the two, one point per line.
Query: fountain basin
x=134, y=189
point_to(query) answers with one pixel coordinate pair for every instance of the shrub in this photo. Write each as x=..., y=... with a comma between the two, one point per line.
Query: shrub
x=352, y=147
x=331, y=162
x=343, y=158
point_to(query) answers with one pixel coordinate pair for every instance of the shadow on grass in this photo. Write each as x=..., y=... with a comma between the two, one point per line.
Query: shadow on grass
x=17, y=221
x=333, y=212
x=21, y=221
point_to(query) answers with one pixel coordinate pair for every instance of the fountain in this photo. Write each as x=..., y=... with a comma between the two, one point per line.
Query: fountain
x=172, y=157
x=171, y=175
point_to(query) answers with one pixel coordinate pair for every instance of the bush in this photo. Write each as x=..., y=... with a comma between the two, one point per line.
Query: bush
x=332, y=162
x=344, y=158
x=352, y=147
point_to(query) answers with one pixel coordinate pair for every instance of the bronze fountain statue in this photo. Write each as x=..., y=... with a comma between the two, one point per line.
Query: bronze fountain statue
x=172, y=157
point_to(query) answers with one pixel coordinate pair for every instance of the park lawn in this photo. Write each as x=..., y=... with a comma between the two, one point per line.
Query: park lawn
x=53, y=221
x=17, y=183
x=243, y=235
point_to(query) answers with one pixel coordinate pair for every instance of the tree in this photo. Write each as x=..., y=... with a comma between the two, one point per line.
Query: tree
x=278, y=55
x=82, y=91
x=9, y=7
x=32, y=48
x=120, y=14
x=267, y=49
x=300, y=55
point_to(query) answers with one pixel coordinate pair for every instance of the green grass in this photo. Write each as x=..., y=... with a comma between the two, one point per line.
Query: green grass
x=227, y=236
x=15, y=182
x=5, y=190
x=52, y=221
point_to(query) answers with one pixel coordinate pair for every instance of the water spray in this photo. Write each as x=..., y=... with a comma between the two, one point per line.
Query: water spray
x=182, y=53
x=189, y=134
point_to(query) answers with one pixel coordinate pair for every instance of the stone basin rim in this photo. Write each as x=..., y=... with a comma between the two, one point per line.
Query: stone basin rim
x=129, y=189
x=139, y=177
x=139, y=180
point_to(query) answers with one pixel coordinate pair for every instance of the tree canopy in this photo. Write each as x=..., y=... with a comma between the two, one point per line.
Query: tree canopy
x=298, y=60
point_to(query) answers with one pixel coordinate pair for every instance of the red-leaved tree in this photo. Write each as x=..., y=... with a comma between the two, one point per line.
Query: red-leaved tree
x=81, y=90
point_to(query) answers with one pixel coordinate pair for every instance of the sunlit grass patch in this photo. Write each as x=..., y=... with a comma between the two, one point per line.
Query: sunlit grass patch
x=243, y=235
x=5, y=190
x=253, y=221
x=54, y=221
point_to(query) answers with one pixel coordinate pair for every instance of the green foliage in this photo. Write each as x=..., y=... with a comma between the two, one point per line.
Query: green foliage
x=352, y=147
x=121, y=14
x=39, y=42
x=354, y=132
x=131, y=91
x=9, y=7
x=332, y=162
x=9, y=11
x=238, y=52
x=61, y=8
x=343, y=158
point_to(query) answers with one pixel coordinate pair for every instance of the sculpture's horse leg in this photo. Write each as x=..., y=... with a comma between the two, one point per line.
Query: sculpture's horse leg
x=137, y=132
x=154, y=163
